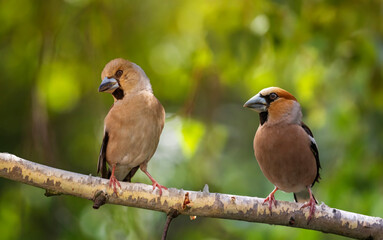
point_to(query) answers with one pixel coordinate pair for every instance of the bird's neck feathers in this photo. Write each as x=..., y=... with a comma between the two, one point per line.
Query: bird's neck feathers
x=138, y=82
x=118, y=94
x=144, y=82
x=142, y=85
x=122, y=95
x=286, y=111
x=263, y=117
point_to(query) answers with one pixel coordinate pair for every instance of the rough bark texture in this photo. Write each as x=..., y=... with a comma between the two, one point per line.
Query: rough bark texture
x=202, y=203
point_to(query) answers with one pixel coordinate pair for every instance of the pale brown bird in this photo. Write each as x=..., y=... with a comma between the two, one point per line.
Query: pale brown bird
x=133, y=125
x=284, y=146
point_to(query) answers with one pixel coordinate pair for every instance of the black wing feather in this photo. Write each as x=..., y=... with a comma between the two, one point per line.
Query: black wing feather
x=314, y=149
x=101, y=166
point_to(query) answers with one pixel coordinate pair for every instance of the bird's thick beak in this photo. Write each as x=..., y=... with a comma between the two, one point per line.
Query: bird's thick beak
x=257, y=103
x=108, y=85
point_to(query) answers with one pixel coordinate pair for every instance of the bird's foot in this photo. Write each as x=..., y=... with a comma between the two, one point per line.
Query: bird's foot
x=270, y=199
x=311, y=204
x=156, y=184
x=113, y=182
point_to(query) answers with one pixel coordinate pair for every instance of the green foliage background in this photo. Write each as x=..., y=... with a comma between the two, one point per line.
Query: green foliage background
x=205, y=58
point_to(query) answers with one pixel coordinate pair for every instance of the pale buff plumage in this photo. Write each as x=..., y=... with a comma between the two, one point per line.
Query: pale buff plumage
x=133, y=125
x=284, y=146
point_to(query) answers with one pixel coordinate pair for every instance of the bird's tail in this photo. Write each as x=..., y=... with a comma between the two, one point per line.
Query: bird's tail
x=128, y=177
x=303, y=196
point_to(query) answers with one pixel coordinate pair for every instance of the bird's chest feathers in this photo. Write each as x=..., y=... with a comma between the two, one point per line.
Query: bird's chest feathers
x=134, y=129
x=284, y=156
x=280, y=141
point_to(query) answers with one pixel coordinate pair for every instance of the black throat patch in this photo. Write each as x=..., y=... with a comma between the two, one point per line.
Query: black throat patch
x=118, y=94
x=263, y=117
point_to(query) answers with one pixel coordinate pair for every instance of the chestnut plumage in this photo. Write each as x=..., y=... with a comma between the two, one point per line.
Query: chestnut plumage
x=284, y=146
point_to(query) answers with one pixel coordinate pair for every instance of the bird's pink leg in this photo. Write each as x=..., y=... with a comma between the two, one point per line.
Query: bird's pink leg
x=113, y=181
x=155, y=183
x=271, y=199
x=311, y=203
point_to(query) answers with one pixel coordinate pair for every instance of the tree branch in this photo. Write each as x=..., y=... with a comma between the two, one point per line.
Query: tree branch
x=204, y=204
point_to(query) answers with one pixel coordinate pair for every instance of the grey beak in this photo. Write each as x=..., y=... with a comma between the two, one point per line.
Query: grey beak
x=108, y=85
x=257, y=103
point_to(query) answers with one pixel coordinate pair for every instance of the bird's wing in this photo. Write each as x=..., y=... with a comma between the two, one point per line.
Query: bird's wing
x=314, y=149
x=101, y=166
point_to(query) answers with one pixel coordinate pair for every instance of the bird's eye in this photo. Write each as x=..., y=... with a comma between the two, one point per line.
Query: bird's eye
x=119, y=73
x=273, y=96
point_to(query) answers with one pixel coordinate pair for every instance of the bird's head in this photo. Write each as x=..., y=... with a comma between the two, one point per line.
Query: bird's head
x=275, y=105
x=121, y=77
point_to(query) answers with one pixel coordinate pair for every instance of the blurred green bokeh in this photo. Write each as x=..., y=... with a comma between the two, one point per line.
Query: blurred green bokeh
x=205, y=58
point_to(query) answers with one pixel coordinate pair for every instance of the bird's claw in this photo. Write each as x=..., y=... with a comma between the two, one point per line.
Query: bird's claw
x=270, y=199
x=156, y=184
x=113, y=182
x=311, y=204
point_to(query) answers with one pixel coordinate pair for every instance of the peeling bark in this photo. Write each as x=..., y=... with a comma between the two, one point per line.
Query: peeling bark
x=204, y=204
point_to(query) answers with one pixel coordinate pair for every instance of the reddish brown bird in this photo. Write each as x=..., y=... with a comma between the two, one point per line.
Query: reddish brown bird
x=133, y=125
x=284, y=146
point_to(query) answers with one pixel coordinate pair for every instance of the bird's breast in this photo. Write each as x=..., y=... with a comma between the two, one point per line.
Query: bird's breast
x=134, y=131
x=284, y=156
